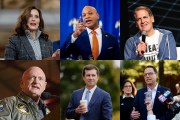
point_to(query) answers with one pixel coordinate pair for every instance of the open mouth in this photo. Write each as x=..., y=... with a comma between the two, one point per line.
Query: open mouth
x=36, y=87
x=88, y=21
x=33, y=24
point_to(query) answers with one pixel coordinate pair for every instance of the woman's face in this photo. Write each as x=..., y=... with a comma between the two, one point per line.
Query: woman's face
x=33, y=20
x=127, y=88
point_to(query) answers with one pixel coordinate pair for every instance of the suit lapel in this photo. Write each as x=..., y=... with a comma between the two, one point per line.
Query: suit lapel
x=43, y=48
x=104, y=43
x=158, y=92
x=94, y=98
x=28, y=47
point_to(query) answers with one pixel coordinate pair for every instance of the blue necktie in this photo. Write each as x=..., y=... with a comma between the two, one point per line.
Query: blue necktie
x=86, y=98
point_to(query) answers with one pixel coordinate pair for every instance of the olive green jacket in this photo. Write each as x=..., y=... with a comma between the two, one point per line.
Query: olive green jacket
x=22, y=107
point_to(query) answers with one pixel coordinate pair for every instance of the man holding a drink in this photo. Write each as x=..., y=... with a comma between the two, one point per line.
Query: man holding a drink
x=90, y=102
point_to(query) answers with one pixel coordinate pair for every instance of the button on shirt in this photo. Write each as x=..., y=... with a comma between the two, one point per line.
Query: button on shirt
x=98, y=35
x=154, y=90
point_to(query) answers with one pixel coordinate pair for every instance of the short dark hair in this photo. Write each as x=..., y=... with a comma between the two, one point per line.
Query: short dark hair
x=133, y=87
x=150, y=66
x=90, y=67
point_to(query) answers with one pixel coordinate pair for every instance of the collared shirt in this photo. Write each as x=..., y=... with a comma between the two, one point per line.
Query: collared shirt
x=22, y=107
x=124, y=96
x=151, y=117
x=98, y=35
x=35, y=43
x=154, y=90
x=90, y=94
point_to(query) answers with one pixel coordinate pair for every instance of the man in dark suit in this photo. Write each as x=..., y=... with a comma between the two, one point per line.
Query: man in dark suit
x=99, y=101
x=81, y=44
x=159, y=109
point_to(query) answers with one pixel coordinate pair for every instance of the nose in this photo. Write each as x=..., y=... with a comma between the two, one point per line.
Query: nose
x=142, y=21
x=35, y=80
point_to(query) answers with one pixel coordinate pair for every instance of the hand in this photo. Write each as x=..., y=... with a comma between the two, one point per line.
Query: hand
x=177, y=98
x=81, y=109
x=141, y=48
x=80, y=27
x=56, y=54
x=135, y=114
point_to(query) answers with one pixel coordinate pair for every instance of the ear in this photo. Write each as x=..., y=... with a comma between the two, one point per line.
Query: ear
x=152, y=18
x=21, y=84
x=97, y=15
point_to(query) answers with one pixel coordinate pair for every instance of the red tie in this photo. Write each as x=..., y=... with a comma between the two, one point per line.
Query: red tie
x=95, y=45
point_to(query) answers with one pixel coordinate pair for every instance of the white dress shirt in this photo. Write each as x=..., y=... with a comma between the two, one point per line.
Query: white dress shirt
x=90, y=94
x=98, y=35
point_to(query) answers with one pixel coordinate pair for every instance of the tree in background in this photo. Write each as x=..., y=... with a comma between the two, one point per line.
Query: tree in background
x=71, y=79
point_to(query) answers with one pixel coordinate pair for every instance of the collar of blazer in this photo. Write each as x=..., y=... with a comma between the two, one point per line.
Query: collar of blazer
x=27, y=47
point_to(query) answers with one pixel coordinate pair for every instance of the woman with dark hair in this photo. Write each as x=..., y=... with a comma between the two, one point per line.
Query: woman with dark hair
x=30, y=42
x=128, y=92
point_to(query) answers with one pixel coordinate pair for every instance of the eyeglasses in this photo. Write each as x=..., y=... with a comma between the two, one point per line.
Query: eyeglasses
x=127, y=86
x=149, y=74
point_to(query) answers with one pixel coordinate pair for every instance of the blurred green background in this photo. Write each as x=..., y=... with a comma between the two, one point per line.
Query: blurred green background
x=71, y=79
x=168, y=72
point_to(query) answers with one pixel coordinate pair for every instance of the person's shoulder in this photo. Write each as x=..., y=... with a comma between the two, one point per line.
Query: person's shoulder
x=14, y=37
x=78, y=90
x=163, y=87
x=164, y=31
x=142, y=90
x=107, y=34
x=103, y=92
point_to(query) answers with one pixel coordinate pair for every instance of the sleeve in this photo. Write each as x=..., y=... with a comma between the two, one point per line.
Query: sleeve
x=170, y=51
x=4, y=111
x=116, y=53
x=107, y=108
x=70, y=111
x=130, y=52
x=66, y=49
x=11, y=50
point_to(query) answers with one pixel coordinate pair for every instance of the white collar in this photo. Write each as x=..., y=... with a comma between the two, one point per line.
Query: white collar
x=124, y=96
x=154, y=89
x=91, y=90
x=98, y=30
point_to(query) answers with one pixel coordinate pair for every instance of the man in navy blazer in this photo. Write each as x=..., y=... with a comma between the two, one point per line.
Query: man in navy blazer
x=159, y=109
x=100, y=105
x=78, y=45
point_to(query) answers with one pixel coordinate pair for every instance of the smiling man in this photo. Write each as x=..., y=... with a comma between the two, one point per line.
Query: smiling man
x=27, y=105
x=160, y=110
x=89, y=41
x=99, y=105
x=149, y=43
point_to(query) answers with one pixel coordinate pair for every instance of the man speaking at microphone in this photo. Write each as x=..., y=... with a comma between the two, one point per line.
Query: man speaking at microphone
x=89, y=41
x=159, y=109
x=149, y=43
x=27, y=105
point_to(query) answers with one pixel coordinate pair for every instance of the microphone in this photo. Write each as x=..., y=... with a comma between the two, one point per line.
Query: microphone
x=47, y=95
x=143, y=38
x=166, y=98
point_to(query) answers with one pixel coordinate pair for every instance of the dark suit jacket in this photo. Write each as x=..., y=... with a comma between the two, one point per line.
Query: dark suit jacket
x=159, y=109
x=99, y=108
x=19, y=48
x=81, y=48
